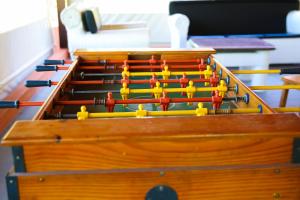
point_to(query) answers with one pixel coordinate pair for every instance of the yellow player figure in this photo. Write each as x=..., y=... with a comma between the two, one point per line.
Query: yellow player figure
x=190, y=90
x=125, y=72
x=157, y=91
x=166, y=74
x=207, y=75
x=124, y=91
x=222, y=88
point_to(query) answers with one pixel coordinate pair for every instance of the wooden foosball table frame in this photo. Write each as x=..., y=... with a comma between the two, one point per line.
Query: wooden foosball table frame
x=225, y=156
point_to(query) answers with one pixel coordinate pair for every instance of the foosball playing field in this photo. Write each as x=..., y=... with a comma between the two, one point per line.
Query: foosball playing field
x=153, y=124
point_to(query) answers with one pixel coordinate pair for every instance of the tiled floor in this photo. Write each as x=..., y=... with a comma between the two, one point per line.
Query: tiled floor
x=271, y=97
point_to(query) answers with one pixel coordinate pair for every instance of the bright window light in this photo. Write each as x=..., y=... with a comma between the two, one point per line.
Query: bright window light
x=16, y=13
x=130, y=6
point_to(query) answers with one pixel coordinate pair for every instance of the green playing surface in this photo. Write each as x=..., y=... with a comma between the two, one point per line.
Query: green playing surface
x=134, y=107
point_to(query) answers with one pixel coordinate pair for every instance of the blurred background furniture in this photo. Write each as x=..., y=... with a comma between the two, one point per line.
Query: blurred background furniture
x=288, y=80
x=179, y=26
x=275, y=21
x=234, y=52
x=129, y=35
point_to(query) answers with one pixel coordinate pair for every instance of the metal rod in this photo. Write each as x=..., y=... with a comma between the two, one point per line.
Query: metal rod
x=62, y=68
x=144, y=91
x=30, y=103
x=138, y=67
x=149, y=61
x=159, y=113
x=99, y=74
x=101, y=82
x=139, y=74
x=91, y=91
x=75, y=102
x=275, y=87
x=269, y=71
x=287, y=109
x=200, y=111
x=127, y=101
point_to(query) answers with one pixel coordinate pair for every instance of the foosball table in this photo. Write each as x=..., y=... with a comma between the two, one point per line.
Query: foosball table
x=153, y=124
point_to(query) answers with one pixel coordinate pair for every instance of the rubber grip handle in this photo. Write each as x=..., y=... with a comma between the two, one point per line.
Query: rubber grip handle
x=9, y=104
x=54, y=62
x=290, y=71
x=45, y=68
x=31, y=83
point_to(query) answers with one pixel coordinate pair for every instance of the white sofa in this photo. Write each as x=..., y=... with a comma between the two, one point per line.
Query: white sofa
x=179, y=26
x=129, y=35
x=287, y=49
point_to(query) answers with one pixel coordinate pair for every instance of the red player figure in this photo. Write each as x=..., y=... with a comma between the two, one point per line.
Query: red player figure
x=183, y=83
x=153, y=80
x=214, y=80
x=164, y=101
x=110, y=102
x=152, y=61
x=216, y=100
x=125, y=80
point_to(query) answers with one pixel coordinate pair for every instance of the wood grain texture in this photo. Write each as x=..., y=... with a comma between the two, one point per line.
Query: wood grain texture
x=215, y=184
x=158, y=154
x=145, y=51
x=161, y=53
x=53, y=131
x=48, y=104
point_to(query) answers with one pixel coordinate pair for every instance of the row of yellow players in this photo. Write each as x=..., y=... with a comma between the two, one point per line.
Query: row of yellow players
x=157, y=91
x=165, y=73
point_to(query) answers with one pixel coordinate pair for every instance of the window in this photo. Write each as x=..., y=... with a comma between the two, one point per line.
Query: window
x=16, y=13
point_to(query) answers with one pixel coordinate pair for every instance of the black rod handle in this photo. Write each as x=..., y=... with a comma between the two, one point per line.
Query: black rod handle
x=31, y=83
x=54, y=62
x=9, y=104
x=45, y=68
x=290, y=71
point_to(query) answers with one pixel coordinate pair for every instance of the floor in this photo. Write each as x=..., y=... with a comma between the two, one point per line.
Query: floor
x=9, y=116
x=271, y=97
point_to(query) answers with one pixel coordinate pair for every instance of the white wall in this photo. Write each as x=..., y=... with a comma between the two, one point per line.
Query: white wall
x=23, y=45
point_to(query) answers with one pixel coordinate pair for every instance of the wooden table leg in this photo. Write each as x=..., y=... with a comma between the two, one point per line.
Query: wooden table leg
x=283, y=98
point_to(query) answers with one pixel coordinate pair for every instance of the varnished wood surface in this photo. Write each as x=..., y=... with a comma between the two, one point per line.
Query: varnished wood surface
x=48, y=104
x=158, y=154
x=147, y=51
x=161, y=53
x=53, y=131
x=272, y=183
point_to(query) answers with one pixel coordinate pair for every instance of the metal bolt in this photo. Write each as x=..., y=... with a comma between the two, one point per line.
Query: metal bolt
x=161, y=188
x=277, y=171
x=58, y=138
x=11, y=181
x=276, y=195
x=41, y=179
x=18, y=158
x=161, y=173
